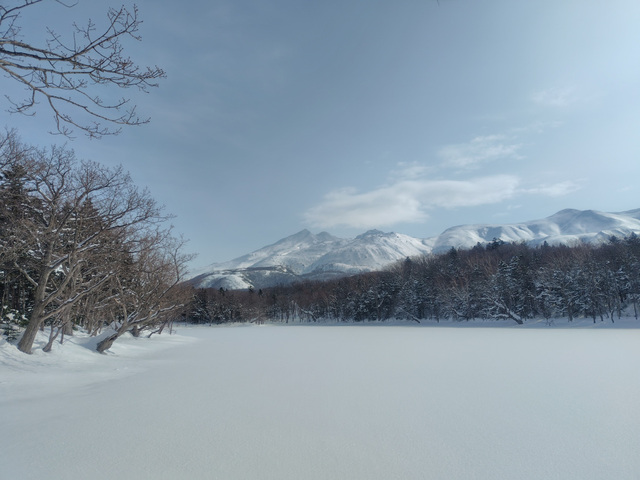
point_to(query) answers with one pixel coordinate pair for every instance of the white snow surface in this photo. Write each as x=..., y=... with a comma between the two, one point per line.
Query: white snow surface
x=328, y=402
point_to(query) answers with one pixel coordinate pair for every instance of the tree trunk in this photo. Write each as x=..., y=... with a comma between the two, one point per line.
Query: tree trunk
x=28, y=337
x=52, y=338
x=67, y=329
x=135, y=331
x=106, y=343
x=35, y=322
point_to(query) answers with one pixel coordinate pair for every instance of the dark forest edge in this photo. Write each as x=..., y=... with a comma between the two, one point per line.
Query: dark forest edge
x=499, y=281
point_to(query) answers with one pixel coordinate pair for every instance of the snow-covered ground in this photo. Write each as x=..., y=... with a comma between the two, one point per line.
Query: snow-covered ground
x=323, y=402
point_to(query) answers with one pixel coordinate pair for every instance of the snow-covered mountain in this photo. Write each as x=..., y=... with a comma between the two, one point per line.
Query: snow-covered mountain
x=370, y=251
x=308, y=256
x=319, y=256
x=565, y=227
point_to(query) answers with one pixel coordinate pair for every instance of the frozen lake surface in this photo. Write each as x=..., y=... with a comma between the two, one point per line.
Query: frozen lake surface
x=342, y=402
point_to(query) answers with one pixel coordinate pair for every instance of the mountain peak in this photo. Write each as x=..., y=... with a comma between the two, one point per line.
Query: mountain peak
x=304, y=233
x=371, y=233
x=325, y=236
x=304, y=255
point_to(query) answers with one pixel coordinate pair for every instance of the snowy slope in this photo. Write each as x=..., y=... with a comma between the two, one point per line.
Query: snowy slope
x=371, y=251
x=280, y=263
x=305, y=255
x=297, y=252
x=309, y=256
x=565, y=227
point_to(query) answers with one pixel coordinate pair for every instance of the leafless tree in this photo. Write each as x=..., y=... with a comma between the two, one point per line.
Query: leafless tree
x=147, y=288
x=66, y=72
x=77, y=215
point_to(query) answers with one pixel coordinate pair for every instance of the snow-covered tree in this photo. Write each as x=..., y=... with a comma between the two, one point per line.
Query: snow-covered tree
x=68, y=229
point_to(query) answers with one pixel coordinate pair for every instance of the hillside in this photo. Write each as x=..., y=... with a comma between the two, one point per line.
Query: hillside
x=305, y=255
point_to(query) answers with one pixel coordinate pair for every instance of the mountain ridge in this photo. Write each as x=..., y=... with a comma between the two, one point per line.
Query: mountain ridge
x=305, y=255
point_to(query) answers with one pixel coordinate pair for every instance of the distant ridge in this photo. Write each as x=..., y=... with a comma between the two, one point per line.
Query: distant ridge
x=305, y=255
x=568, y=226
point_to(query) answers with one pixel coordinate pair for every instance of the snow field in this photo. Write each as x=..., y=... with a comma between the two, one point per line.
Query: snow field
x=344, y=402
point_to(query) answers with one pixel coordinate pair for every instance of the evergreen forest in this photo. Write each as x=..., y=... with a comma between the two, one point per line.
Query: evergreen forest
x=499, y=281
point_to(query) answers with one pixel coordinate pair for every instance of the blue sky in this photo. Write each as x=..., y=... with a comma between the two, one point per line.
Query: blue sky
x=406, y=116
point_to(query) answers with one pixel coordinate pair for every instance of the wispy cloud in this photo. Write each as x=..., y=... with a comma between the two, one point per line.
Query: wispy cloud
x=555, y=97
x=411, y=170
x=554, y=189
x=479, y=150
x=407, y=201
x=411, y=191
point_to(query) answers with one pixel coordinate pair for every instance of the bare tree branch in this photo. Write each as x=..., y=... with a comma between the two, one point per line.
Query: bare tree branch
x=66, y=74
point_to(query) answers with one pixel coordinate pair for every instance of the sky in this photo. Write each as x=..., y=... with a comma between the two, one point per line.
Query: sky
x=344, y=116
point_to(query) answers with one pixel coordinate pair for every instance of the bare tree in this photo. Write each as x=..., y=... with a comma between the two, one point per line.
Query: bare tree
x=66, y=72
x=77, y=214
x=147, y=288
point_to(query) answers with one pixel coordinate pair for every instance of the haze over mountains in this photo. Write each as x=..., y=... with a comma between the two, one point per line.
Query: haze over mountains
x=320, y=256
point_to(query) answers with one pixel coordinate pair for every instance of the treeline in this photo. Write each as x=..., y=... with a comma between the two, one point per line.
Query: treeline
x=81, y=246
x=499, y=281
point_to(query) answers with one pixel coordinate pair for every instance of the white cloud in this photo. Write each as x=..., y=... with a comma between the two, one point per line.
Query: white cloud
x=411, y=170
x=480, y=149
x=555, y=189
x=384, y=206
x=411, y=193
x=407, y=201
x=555, y=97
